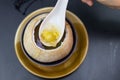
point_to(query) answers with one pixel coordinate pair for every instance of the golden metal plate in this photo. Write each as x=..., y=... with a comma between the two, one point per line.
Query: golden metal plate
x=64, y=68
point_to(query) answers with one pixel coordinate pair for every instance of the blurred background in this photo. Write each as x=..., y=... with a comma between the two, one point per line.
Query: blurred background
x=103, y=26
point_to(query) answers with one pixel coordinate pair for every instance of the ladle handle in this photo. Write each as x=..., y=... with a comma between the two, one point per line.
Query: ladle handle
x=61, y=6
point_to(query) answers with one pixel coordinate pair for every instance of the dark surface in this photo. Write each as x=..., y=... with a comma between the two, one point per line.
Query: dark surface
x=103, y=26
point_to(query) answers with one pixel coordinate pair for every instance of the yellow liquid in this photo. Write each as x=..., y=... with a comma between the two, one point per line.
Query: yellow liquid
x=50, y=36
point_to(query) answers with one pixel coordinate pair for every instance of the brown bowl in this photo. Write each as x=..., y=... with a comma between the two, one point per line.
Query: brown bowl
x=43, y=55
x=66, y=67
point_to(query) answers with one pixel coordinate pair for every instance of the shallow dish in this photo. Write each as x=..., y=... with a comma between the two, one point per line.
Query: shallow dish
x=64, y=68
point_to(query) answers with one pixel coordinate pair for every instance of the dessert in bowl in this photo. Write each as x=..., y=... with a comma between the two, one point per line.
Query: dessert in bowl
x=40, y=53
x=59, y=68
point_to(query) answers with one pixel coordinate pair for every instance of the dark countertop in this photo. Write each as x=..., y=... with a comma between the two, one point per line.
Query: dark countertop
x=103, y=26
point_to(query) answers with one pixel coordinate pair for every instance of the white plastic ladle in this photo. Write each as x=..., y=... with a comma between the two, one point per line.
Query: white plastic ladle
x=56, y=17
